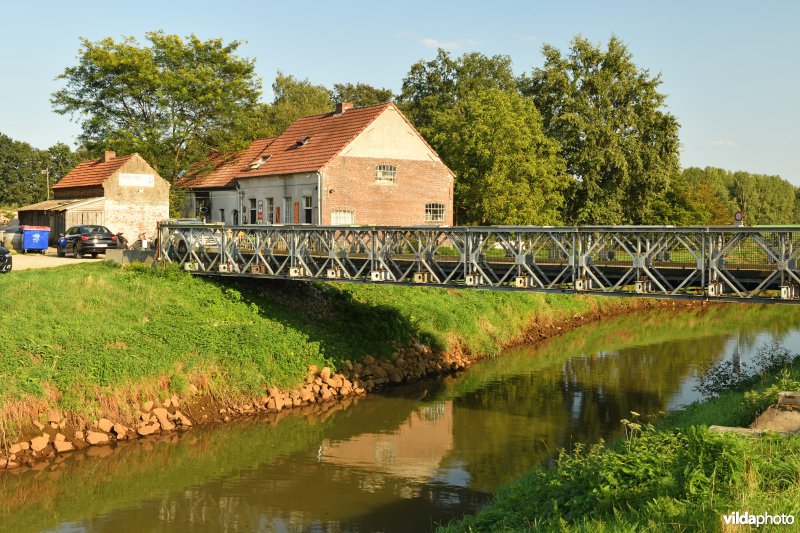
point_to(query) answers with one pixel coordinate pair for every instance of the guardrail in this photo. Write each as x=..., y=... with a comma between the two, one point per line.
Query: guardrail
x=708, y=263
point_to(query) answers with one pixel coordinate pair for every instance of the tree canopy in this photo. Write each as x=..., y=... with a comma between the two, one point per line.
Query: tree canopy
x=293, y=99
x=25, y=170
x=507, y=170
x=361, y=94
x=431, y=86
x=616, y=136
x=172, y=100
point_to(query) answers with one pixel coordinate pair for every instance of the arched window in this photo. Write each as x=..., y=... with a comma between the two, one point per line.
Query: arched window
x=385, y=173
x=434, y=212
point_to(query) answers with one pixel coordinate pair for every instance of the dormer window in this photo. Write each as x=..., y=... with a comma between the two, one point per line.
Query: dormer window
x=255, y=165
x=385, y=173
x=302, y=141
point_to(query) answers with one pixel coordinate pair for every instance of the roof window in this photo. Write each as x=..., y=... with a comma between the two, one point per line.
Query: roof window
x=258, y=162
x=302, y=141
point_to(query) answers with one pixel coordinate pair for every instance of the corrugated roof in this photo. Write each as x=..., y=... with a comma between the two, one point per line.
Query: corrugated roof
x=91, y=173
x=221, y=169
x=328, y=134
x=58, y=205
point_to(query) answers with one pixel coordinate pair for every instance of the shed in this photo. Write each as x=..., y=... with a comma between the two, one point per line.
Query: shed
x=124, y=194
x=59, y=215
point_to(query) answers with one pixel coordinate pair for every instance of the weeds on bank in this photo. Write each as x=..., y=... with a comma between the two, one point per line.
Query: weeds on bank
x=676, y=475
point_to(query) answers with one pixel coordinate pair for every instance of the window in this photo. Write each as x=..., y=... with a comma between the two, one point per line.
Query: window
x=269, y=211
x=222, y=215
x=235, y=217
x=342, y=217
x=253, y=211
x=385, y=174
x=308, y=210
x=287, y=210
x=434, y=212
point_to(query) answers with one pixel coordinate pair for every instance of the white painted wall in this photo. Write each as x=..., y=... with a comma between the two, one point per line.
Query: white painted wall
x=295, y=186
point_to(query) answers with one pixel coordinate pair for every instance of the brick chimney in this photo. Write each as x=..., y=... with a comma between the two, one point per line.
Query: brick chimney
x=341, y=107
x=108, y=155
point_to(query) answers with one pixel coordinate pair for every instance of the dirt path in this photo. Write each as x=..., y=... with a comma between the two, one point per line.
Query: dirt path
x=49, y=260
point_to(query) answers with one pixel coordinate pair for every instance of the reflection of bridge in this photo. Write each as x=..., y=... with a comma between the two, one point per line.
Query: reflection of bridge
x=717, y=263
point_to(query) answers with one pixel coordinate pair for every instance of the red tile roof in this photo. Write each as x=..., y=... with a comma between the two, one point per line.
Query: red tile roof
x=92, y=173
x=328, y=135
x=221, y=169
x=325, y=137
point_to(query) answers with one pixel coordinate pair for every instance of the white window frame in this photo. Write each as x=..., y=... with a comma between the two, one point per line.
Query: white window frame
x=288, y=210
x=434, y=212
x=385, y=173
x=339, y=217
x=308, y=210
x=269, y=210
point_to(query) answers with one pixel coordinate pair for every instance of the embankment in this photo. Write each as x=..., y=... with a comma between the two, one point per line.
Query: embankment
x=94, y=353
x=674, y=475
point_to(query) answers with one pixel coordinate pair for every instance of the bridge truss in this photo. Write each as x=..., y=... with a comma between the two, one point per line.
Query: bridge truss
x=706, y=263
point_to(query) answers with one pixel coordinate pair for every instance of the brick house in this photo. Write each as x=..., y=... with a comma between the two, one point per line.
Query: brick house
x=124, y=194
x=356, y=165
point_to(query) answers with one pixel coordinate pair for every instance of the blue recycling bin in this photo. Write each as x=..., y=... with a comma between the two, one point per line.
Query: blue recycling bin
x=35, y=238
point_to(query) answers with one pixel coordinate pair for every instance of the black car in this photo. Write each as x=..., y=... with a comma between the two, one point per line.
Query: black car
x=5, y=261
x=82, y=240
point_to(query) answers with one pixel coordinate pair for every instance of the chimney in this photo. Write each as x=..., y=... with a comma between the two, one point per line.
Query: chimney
x=108, y=155
x=341, y=107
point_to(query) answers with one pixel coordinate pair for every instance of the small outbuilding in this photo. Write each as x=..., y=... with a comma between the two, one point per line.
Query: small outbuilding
x=124, y=194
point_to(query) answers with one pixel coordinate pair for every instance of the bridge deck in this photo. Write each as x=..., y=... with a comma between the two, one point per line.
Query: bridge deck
x=719, y=263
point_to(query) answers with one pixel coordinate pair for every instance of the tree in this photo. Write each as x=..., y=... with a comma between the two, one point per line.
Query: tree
x=25, y=170
x=435, y=85
x=172, y=100
x=360, y=94
x=616, y=136
x=763, y=199
x=507, y=170
x=293, y=99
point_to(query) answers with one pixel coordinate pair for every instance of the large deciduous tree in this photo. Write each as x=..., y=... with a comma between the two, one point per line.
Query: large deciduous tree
x=172, y=100
x=431, y=86
x=507, y=170
x=293, y=99
x=360, y=94
x=616, y=136
x=26, y=172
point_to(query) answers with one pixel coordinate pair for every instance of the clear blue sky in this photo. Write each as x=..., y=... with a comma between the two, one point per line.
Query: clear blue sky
x=730, y=68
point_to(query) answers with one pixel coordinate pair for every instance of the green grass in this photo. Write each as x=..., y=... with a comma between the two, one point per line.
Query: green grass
x=90, y=338
x=678, y=475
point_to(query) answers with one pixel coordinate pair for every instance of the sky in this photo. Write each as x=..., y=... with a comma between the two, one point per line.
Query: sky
x=730, y=69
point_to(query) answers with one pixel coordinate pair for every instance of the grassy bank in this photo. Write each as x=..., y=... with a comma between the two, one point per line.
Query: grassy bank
x=676, y=475
x=90, y=339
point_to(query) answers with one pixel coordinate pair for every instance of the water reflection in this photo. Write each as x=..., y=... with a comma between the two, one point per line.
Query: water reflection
x=407, y=460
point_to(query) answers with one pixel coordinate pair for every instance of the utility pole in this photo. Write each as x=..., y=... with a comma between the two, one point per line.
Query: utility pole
x=46, y=173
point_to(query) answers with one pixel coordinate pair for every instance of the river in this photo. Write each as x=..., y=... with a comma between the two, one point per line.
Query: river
x=404, y=460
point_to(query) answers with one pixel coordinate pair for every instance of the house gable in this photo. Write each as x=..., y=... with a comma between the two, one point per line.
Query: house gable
x=390, y=136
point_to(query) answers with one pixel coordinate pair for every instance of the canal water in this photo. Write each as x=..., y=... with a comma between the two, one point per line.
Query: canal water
x=406, y=460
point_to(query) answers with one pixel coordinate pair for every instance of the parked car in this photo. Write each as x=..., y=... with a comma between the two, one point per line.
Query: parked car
x=204, y=240
x=82, y=240
x=11, y=237
x=5, y=260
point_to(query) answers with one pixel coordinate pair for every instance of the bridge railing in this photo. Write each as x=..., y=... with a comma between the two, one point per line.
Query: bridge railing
x=727, y=263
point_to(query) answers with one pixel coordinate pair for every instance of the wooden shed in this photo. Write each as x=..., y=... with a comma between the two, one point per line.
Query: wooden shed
x=59, y=215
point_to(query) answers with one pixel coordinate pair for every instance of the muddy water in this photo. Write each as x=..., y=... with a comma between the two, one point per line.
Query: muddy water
x=401, y=461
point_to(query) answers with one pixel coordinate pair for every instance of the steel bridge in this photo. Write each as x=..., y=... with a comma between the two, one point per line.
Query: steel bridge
x=724, y=263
